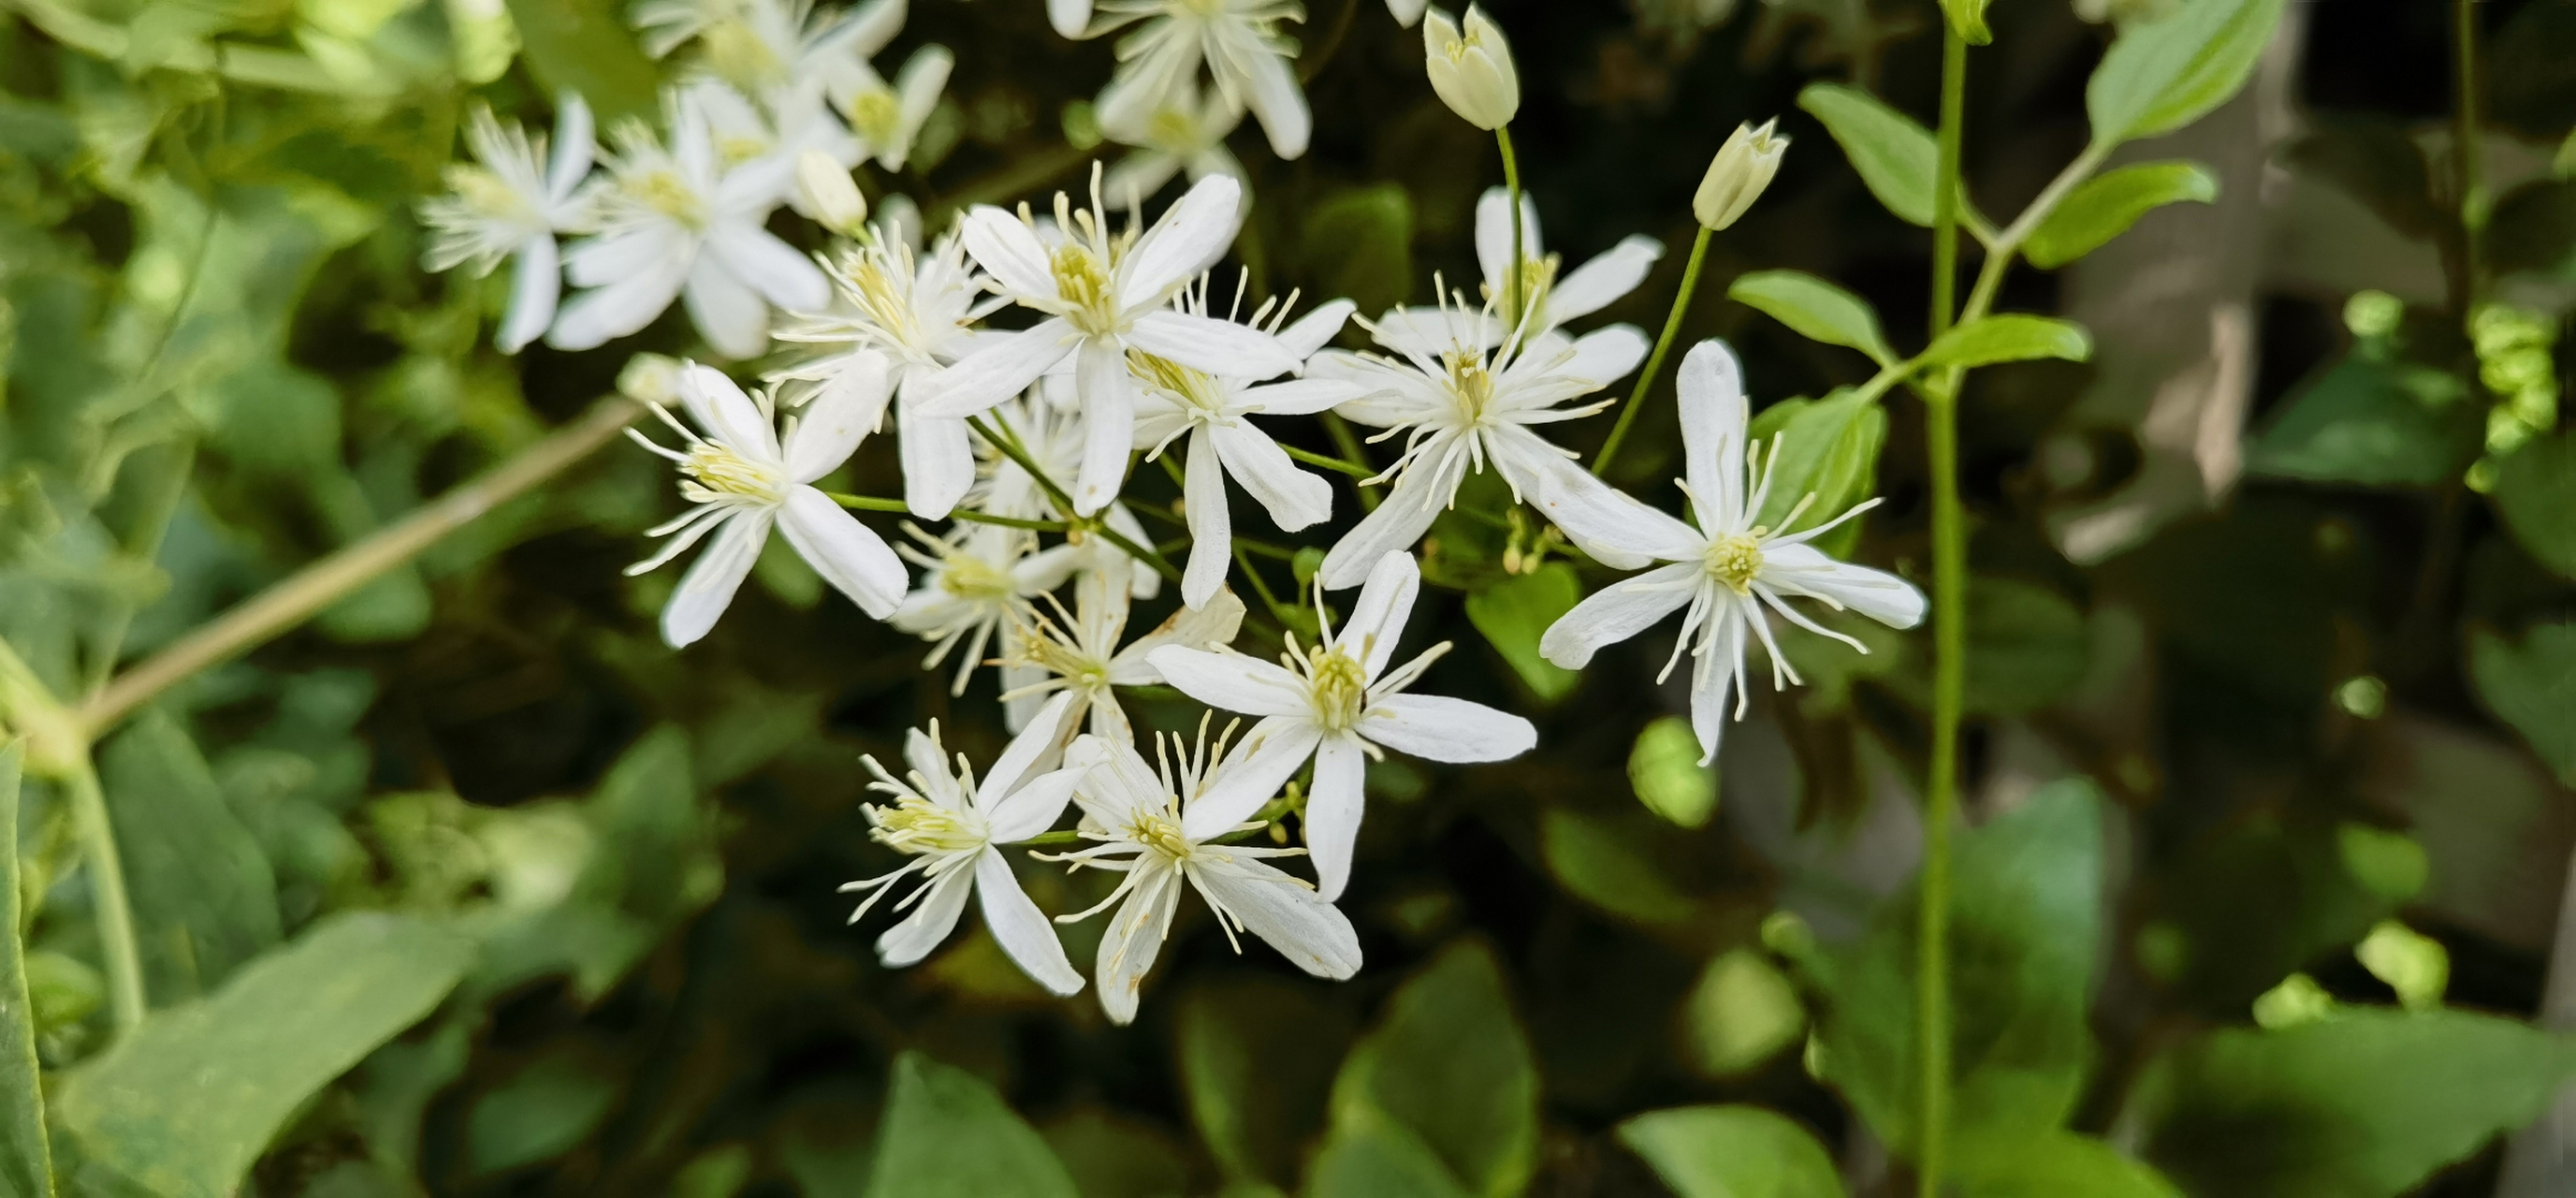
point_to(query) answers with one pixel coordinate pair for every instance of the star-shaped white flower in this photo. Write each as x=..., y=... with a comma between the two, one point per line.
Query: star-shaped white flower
x=1240, y=42
x=745, y=479
x=1211, y=410
x=678, y=222
x=753, y=138
x=1339, y=704
x=1165, y=844
x=1462, y=407
x=1548, y=298
x=763, y=44
x=975, y=580
x=1077, y=652
x=887, y=117
x=1726, y=571
x=512, y=202
x=1102, y=295
x=953, y=828
x=1186, y=132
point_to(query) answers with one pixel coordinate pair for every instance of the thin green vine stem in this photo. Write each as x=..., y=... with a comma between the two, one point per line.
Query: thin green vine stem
x=1311, y=458
x=118, y=949
x=1353, y=452
x=1011, y=448
x=1512, y=184
x=1949, y=633
x=870, y=503
x=2468, y=154
x=1655, y=360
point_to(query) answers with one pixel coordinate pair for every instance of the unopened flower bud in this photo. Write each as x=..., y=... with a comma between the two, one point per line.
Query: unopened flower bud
x=650, y=378
x=1736, y=177
x=1472, y=70
x=826, y=192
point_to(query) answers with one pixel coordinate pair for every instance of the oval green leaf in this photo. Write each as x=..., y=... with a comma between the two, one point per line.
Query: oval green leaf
x=2166, y=73
x=2010, y=337
x=1732, y=1152
x=2105, y=206
x=1814, y=309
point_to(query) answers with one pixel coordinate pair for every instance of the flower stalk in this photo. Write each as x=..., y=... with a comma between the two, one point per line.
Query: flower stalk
x=1655, y=360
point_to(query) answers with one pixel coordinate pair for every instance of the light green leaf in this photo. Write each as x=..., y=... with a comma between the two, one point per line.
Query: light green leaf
x=2009, y=337
x=2107, y=204
x=2365, y=423
x=1741, y=1013
x=1514, y=612
x=2532, y=686
x=1664, y=769
x=2067, y=1165
x=1450, y=1064
x=1257, y=1058
x=542, y=1111
x=582, y=46
x=2365, y=1104
x=185, y=1104
x=1359, y=243
x=946, y=1134
x=1732, y=1152
x=205, y=899
x=1814, y=309
x=1896, y=157
x=1371, y=1156
x=1113, y=1156
x=1969, y=18
x=2164, y=74
x=1610, y=863
x=2535, y=492
x=1828, y=450
x=26, y=1168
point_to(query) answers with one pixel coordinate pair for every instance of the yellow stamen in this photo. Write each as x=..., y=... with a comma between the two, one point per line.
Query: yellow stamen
x=1339, y=688
x=917, y=825
x=717, y=473
x=1735, y=560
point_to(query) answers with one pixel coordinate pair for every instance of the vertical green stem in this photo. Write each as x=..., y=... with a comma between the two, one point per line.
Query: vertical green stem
x=1655, y=360
x=1512, y=184
x=115, y=914
x=2468, y=152
x=1950, y=648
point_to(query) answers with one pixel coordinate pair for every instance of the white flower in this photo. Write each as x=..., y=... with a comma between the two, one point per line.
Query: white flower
x=1338, y=703
x=1463, y=407
x=1547, y=299
x=1240, y=42
x=1048, y=427
x=914, y=312
x=1729, y=569
x=762, y=44
x=1081, y=655
x=1186, y=132
x=676, y=222
x=1211, y=410
x=1071, y=17
x=825, y=191
x=1102, y=295
x=1406, y=12
x=973, y=581
x=513, y=203
x=744, y=478
x=1736, y=177
x=1473, y=70
x=791, y=123
x=953, y=829
x=1147, y=831
x=886, y=118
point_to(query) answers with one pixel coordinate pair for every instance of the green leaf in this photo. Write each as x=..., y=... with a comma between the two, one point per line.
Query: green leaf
x=2365, y=1104
x=2025, y=915
x=1450, y=1064
x=1257, y=1058
x=2532, y=686
x=1111, y=1156
x=1515, y=611
x=2028, y=646
x=2067, y=1165
x=1741, y=1013
x=185, y=1104
x=2535, y=492
x=1664, y=770
x=2107, y=204
x=1611, y=864
x=543, y=1110
x=205, y=899
x=1359, y=243
x=1370, y=1155
x=582, y=46
x=2164, y=74
x=1813, y=308
x=946, y=1134
x=26, y=1167
x=1732, y=1152
x=2365, y=423
x=2009, y=337
x=1968, y=17
x=1896, y=157
x=1828, y=450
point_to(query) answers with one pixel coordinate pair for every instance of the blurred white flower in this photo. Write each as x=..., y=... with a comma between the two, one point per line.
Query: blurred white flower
x=953, y=828
x=745, y=478
x=1186, y=132
x=1239, y=40
x=1155, y=828
x=1406, y=12
x=679, y=222
x=886, y=118
x=1103, y=295
x=1725, y=572
x=1472, y=68
x=511, y=202
x=760, y=45
x=789, y=124
x=1339, y=704
x=1078, y=653
x=976, y=580
x=1548, y=299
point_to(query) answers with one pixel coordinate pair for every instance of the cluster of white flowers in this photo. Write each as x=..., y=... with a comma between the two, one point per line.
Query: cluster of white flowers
x=1024, y=438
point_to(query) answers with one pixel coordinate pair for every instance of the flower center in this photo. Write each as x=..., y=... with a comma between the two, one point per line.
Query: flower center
x=1163, y=836
x=873, y=289
x=1191, y=387
x=1338, y=688
x=488, y=196
x=875, y=114
x=1172, y=131
x=737, y=54
x=969, y=577
x=717, y=474
x=1537, y=275
x=917, y=825
x=1082, y=282
x=1735, y=559
x=1471, y=384
x=663, y=192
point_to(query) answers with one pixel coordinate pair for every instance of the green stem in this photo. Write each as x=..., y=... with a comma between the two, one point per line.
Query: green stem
x=2469, y=153
x=1353, y=452
x=1949, y=607
x=1311, y=458
x=1512, y=183
x=115, y=912
x=1655, y=360
x=870, y=503
x=1260, y=585
x=1011, y=447
x=2004, y=246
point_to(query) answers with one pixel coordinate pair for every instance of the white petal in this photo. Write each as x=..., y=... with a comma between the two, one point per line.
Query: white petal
x=1133, y=939
x=1070, y=17
x=1399, y=521
x=620, y=307
x=1000, y=366
x=930, y=922
x=1494, y=234
x=1316, y=329
x=1616, y=529
x=1191, y=235
x=1599, y=283
x=1406, y=12
x=1617, y=612
x=1219, y=347
x=1802, y=569
x=1605, y=355
x=1294, y=498
x=1269, y=89
x=725, y=413
x=1035, y=807
x=1251, y=775
x=1232, y=681
x=845, y=409
x=771, y=267
x=1286, y=914
x=1022, y=929
x=1211, y=533
x=729, y=314
x=1439, y=728
x=1334, y=809
x=707, y=589
x=1140, y=175
x=1009, y=251
x=872, y=26
x=1108, y=423
x=533, y=292
x=1377, y=619
x=1209, y=625
x=848, y=554
x=1714, y=676
x=574, y=144
x=1300, y=397
x=938, y=463
x=1713, y=417
x=1038, y=740
x=1429, y=330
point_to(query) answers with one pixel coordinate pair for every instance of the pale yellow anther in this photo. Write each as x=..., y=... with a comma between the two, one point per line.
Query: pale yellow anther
x=663, y=192
x=877, y=115
x=1082, y=282
x=1339, y=688
x=1735, y=560
x=916, y=825
x=1163, y=836
x=716, y=473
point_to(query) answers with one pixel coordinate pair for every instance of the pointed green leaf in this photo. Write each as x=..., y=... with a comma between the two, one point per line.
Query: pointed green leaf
x=2010, y=337
x=2166, y=73
x=1828, y=458
x=1732, y=1152
x=1514, y=612
x=1815, y=309
x=2531, y=685
x=2067, y=1165
x=2535, y=492
x=205, y=898
x=1897, y=157
x=2107, y=204
x=2368, y=423
x=1450, y=1064
x=26, y=1169
x=946, y=1134
x=1370, y=1155
x=1257, y=1057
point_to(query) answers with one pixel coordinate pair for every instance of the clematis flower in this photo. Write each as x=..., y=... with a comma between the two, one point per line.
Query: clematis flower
x=1160, y=830
x=1240, y=42
x=1728, y=570
x=788, y=124
x=1212, y=410
x=511, y=203
x=953, y=828
x=887, y=118
x=1102, y=295
x=1078, y=653
x=1465, y=406
x=1339, y=704
x=1548, y=299
x=677, y=223
x=746, y=479
x=975, y=580
x=1186, y=132
x=762, y=44
x=1472, y=69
